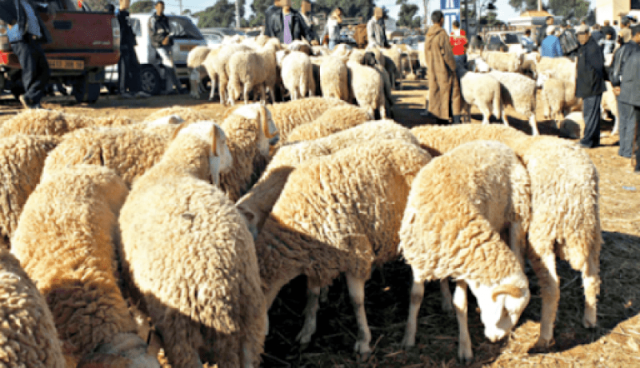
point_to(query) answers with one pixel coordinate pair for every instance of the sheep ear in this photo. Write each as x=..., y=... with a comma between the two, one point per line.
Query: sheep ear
x=512, y=290
x=216, y=137
x=265, y=123
x=178, y=129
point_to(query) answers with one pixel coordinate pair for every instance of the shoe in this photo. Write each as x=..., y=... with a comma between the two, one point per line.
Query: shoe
x=169, y=93
x=425, y=114
x=126, y=95
x=142, y=94
x=585, y=146
x=184, y=91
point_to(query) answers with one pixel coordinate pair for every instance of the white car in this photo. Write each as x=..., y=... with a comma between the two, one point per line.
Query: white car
x=186, y=36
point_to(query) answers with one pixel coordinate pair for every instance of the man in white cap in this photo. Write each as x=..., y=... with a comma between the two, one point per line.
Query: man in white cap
x=590, y=85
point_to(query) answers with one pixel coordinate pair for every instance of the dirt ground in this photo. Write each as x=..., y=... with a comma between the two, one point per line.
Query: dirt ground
x=614, y=343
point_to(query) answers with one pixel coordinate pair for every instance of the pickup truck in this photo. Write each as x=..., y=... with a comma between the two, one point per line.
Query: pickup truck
x=83, y=44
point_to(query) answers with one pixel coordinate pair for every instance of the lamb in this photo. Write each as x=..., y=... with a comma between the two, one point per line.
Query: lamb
x=559, y=97
x=29, y=336
x=565, y=219
x=332, y=121
x=216, y=65
x=258, y=202
x=195, y=62
x=250, y=133
x=22, y=158
x=248, y=70
x=502, y=61
x=66, y=242
x=368, y=88
x=560, y=68
x=610, y=103
x=173, y=213
x=370, y=60
x=483, y=91
x=519, y=92
x=130, y=153
x=339, y=213
x=489, y=186
x=334, y=78
x=55, y=123
x=297, y=75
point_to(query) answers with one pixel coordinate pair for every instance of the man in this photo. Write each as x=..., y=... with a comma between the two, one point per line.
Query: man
x=542, y=31
x=128, y=65
x=444, y=88
x=527, y=43
x=551, y=45
x=596, y=34
x=568, y=42
x=161, y=39
x=608, y=30
x=616, y=27
x=458, y=41
x=629, y=90
x=305, y=13
x=376, y=35
x=26, y=32
x=286, y=24
x=590, y=86
x=626, y=112
x=332, y=28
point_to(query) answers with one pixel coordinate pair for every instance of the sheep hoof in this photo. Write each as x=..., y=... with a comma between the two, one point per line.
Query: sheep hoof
x=364, y=357
x=465, y=357
x=542, y=345
x=408, y=342
x=589, y=320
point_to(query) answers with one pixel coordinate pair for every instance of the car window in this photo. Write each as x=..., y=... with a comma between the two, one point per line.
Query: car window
x=495, y=39
x=183, y=28
x=511, y=39
x=213, y=37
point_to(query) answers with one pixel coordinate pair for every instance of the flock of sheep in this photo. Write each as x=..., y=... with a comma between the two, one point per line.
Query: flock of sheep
x=121, y=238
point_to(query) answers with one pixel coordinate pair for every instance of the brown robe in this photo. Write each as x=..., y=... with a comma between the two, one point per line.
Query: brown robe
x=441, y=72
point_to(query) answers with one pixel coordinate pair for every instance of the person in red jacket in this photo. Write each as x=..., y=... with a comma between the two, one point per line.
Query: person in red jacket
x=458, y=39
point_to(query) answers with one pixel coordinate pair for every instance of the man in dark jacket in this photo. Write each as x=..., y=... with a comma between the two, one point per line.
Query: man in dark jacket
x=128, y=65
x=590, y=85
x=608, y=30
x=160, y=30
x=542, y=31
x=568, y=42
x=626, y=113
x=596, y=33
x=629, y=89
x=286, y=24
x=26, y=32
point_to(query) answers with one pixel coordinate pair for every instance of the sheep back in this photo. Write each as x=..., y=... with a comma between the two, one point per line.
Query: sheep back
x=332, y=121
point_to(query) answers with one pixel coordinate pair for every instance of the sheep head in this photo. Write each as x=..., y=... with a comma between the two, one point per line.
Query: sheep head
x=268, y=132
x=126, y=350
x=501, y=305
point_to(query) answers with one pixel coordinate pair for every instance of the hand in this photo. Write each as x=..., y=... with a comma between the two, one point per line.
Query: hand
x=165, y=42
x=616, y=91
x=314, y=43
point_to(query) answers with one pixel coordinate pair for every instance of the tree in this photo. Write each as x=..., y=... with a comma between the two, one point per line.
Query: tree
x=142, y=6
x=556, y=7
x=97, y=5
x=221, y=14
x=522, y=5
x=407, y=14
x=259, y=7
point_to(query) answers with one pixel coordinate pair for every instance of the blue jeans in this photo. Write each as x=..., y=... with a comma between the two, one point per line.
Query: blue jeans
x=332, y=44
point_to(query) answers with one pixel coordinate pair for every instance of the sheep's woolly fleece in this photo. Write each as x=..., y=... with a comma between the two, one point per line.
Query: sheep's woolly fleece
x=129, y=152
x=332, y=121
x=22, y=158
x=368, y=131
x=339, y=213
x=187, y=250
x=187, y=114
x=439, y=240
x=51, y=122
x=28, y=337
x=65, y=242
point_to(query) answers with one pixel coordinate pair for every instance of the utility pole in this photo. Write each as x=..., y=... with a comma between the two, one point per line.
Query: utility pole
x=238, y=14
x=466, y=18
x=180, y=2
x=539, y=5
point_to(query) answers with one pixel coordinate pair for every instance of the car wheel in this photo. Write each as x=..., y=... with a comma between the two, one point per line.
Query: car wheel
x=150, y=80
x=86, y=92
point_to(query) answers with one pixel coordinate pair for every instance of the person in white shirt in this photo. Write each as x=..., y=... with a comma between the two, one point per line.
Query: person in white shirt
x=332, y=28
x=375, y=31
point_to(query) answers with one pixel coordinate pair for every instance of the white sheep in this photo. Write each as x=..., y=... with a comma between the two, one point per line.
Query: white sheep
x=483, y=91
x=252, y=69
x=520, y=92
x=66, y=241
x=188, y=253
x=297, y=75
x=559, y=97
x=610, y=103
x=560, y=68
x=489, y=187
x=338, y=214
x=216, y=65
x=334, y=78
x=503, y=61
x=572, y=125
x=368, y=89
x=332, y=121
x=195, y=61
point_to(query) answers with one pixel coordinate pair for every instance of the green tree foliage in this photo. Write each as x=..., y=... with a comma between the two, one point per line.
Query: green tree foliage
x=522, y=5
x=555, y=7
x=352, y=8
x=407, y=14
x=142, y=6
x=221, y=14
x=259, y=7
x=98, y=5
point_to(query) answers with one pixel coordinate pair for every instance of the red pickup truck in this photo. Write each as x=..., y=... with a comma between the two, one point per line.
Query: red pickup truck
x=83, y=44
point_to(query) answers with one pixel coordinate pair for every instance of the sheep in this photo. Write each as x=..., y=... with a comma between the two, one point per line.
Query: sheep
x=259, y=201
x=195, y=61
x=489, y=186
x=332, y=121
x=572, y=126
x=28, y=335
x=187, y=114
x=377, y=53
x=559, y=97
x=300, y=46
x=478, y=65
x=610, y=103
x=248, y=70
x=320, y=51
x=216, y=65
x=370, y=60
x=519, y=92
x=55, y=123
x=65, y=242
x=339, y=213
x=565, y=212
x=483, y=91
x=356, y=55
x=130, y=153
x=297, y=75
x=341, y=50
x=334, y=78
x=22, y=158
x=188, y=255
x=394, y=54
x=560, y=68
x=250, y=133
x=368, y=88
x=502, y=61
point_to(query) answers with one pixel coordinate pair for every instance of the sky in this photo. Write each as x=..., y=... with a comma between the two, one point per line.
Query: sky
x=505, y=11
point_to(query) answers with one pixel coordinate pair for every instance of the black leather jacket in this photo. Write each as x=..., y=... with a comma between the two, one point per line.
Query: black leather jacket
x=159, y=28
x=631, y=78
x=619, y=59
x=568, y=42
x=590, y=70
x=274, y=25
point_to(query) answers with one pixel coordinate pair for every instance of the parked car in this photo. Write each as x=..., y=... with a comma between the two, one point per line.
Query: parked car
x=221, y=32
x=505, y=39
x=186, y=36
x=83, y=44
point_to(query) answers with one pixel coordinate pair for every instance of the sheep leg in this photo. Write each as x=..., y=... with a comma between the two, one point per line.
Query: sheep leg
x=383, y=112
x=486, y=113
x=503, y=112
x=615, y=126
x=224, y=83
x=534, y=125
x=468, y=110
x=179, y=337
x=545, y=269
x=447, y=303
x=417, y=293
x=591, y=284
x=517, y=241
x=245, y=93
x=465, y=354
x=356, y=291
x=310, y=311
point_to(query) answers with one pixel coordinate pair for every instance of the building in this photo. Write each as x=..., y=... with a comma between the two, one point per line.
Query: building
x=615, y=9
x=531, y=18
